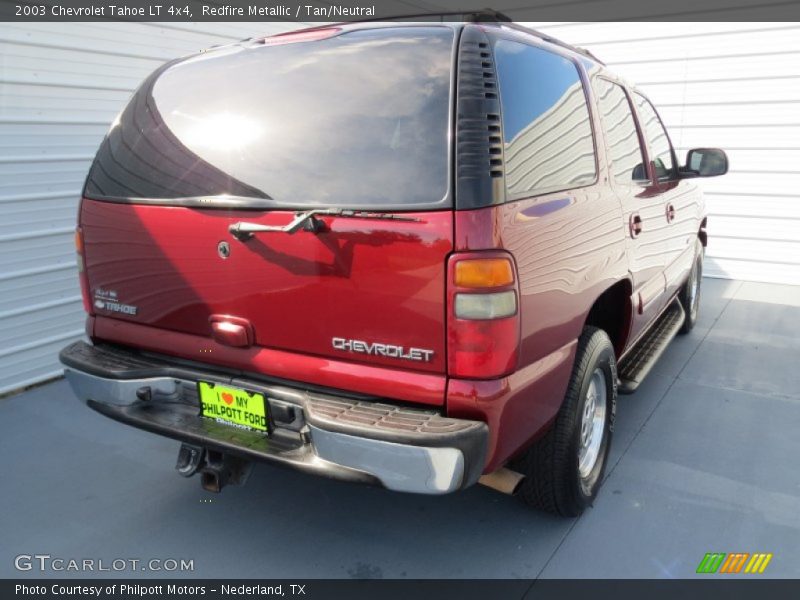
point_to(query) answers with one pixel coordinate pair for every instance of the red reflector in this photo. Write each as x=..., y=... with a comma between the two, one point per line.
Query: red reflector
x=82, y=276
x=302, y=36
x=483, y=349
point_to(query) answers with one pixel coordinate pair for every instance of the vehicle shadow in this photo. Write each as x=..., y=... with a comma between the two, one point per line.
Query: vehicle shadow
x=288, y=524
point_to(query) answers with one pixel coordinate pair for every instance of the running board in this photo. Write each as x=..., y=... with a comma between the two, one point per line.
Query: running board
x=635, y=366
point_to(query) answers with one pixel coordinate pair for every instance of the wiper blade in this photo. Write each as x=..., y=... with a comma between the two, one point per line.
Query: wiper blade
x=220, y=201
x=307, y=221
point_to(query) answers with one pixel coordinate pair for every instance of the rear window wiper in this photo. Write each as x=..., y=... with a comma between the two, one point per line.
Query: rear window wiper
x=307, y=221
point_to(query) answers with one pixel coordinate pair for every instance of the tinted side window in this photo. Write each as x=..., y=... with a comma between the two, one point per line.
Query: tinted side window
x=660, y=148
x=622, y=138
x=546, y=128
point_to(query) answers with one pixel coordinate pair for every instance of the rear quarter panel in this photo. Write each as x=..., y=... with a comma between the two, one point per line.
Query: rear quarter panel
x=569, y=247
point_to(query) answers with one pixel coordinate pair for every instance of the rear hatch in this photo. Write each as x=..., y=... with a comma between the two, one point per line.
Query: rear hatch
x=255, y=133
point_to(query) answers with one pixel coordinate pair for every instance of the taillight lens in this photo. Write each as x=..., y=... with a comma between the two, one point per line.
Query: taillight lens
x=79, y=250
x=483, y=272
x=483, y=315
x=486, y=306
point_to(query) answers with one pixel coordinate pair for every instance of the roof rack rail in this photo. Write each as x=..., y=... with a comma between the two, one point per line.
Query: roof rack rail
x=485, y=15
x=552, y=40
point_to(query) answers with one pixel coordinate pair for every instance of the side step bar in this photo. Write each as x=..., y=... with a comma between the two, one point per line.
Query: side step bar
x=635, y=366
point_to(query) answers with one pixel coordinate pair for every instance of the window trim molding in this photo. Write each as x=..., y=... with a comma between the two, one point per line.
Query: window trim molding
x=674, y=176
x=644, y=149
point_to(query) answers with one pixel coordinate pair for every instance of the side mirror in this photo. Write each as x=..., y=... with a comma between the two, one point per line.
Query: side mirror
x=705, y=162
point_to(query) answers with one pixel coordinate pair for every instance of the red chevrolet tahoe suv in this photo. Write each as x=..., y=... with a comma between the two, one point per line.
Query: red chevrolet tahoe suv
x=417, y=255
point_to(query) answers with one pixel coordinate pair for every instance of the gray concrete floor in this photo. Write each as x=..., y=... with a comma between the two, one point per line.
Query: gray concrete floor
x=705, y=458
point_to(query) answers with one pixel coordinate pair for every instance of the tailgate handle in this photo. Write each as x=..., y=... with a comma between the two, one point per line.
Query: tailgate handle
x=232, y=331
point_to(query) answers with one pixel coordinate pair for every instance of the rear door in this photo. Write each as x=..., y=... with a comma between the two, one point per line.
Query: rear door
x=645, y=224
x=679, y=197
x=256, y=133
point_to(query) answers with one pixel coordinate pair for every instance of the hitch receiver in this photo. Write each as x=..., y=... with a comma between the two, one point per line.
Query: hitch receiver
x=216, y=469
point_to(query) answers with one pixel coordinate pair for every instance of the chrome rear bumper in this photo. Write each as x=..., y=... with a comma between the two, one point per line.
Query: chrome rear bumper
x=355, y=439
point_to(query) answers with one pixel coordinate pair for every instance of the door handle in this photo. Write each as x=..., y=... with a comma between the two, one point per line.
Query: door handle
x=635, y=224
x=670, y=213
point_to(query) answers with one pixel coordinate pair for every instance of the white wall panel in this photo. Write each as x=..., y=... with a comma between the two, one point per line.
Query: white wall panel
x=732, y=85
x=61, y=85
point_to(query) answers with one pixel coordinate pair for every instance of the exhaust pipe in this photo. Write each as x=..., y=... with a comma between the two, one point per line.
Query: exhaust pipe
x=503, y=480
x=190, y=458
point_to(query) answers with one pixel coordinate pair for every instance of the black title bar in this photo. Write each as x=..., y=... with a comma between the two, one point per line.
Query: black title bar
x=315, y=11
x=702, y=588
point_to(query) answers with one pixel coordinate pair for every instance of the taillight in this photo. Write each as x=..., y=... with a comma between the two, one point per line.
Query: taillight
x=483, y=315
x=87, y=303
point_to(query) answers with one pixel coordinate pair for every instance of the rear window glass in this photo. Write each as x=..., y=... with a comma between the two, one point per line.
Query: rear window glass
x=356, y=120
x=548, y=134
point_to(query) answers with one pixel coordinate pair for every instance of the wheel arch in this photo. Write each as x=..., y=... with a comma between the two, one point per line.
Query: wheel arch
x=612, y=312
x=702, y=234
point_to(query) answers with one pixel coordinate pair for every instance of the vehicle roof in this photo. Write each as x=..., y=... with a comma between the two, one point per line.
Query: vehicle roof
x=590, y=61
x=502, y=25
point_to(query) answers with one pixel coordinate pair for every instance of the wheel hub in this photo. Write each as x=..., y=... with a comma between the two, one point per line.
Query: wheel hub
x=593, y=418
x=693, y=285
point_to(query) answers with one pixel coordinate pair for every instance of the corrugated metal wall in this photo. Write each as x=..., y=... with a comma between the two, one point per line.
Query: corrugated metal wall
x=61, y=85
x=735, y=86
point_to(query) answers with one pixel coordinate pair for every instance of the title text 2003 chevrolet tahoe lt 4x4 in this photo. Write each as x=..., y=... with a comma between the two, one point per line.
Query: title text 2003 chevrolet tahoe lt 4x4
x=409, y=254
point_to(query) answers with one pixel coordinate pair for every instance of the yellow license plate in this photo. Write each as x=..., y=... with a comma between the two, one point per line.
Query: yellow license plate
x=233, y=406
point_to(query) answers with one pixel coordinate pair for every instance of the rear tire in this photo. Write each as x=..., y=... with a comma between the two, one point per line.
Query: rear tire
x=564, y=470
x=689, y=295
